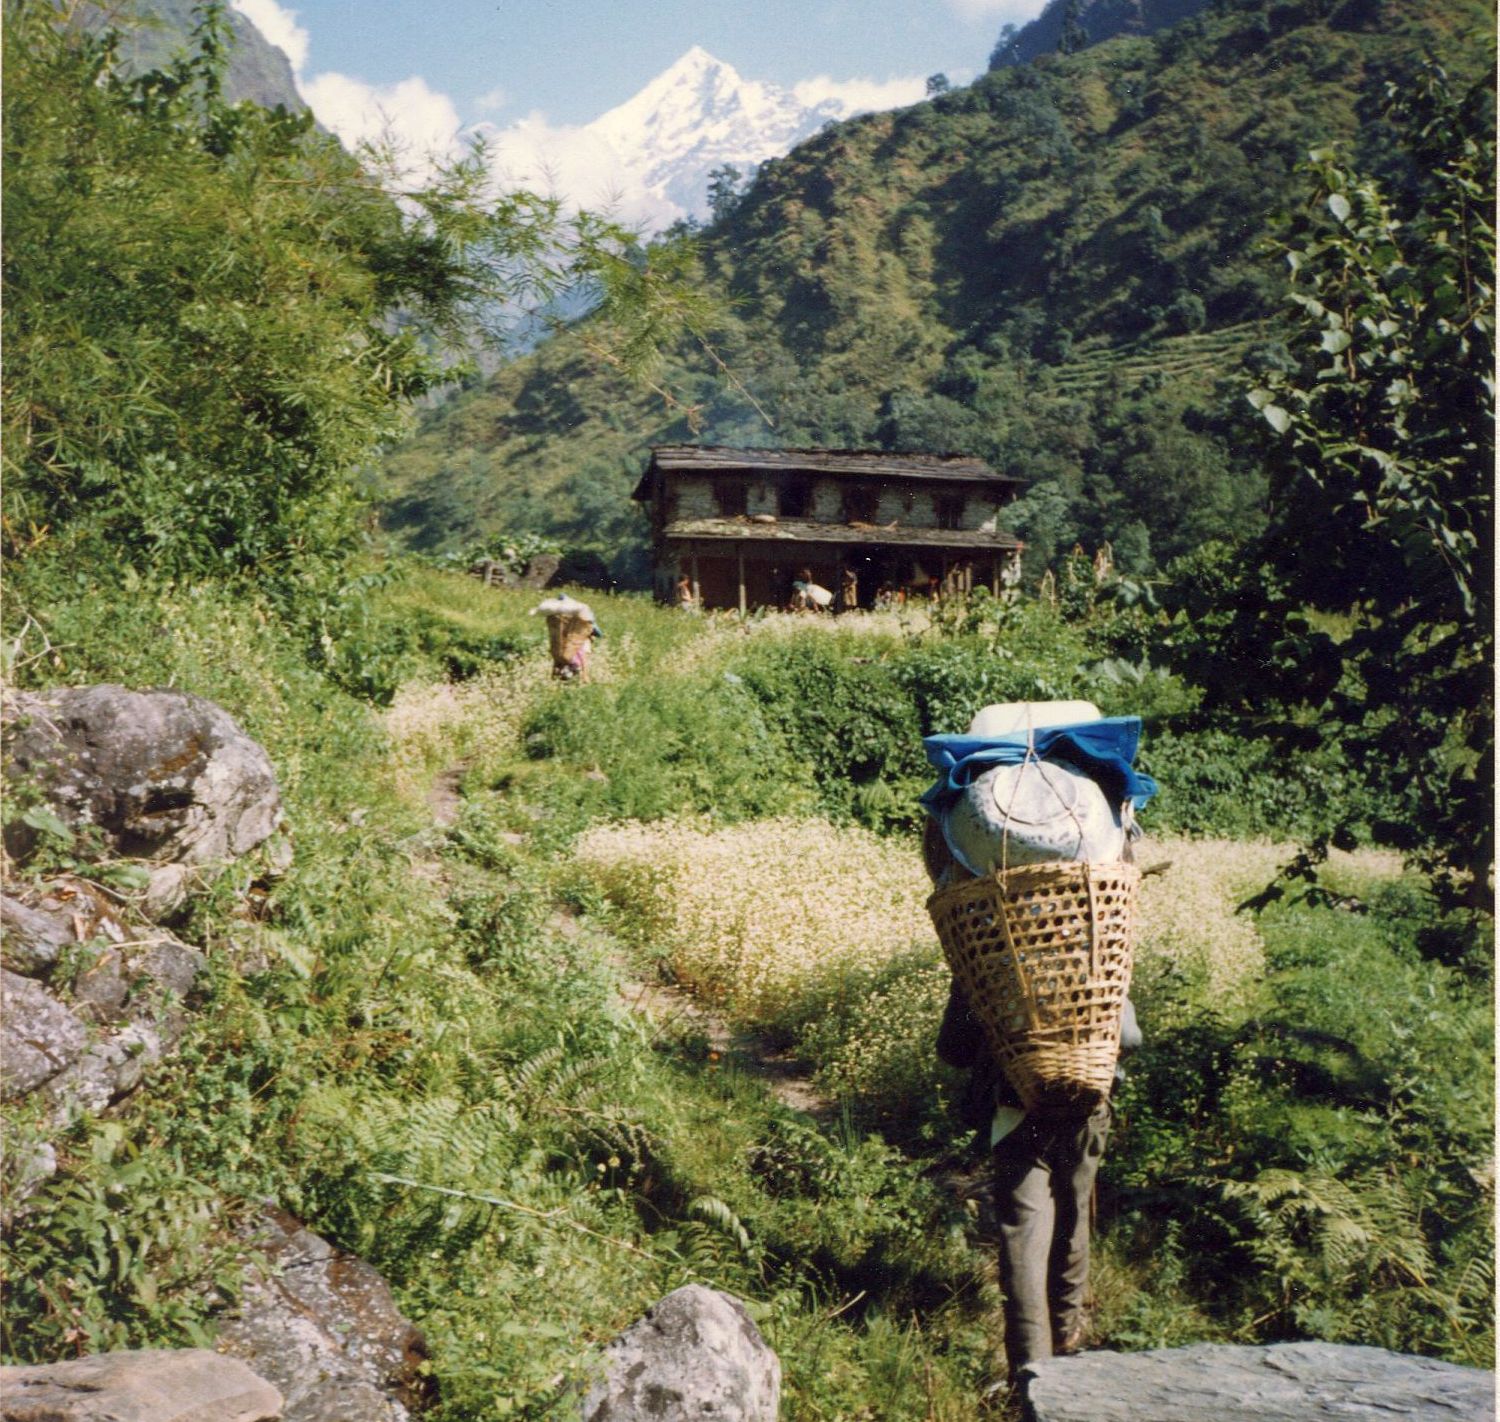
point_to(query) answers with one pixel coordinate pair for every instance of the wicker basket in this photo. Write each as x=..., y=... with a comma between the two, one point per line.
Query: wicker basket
x=567, y=632
x=1043, y=954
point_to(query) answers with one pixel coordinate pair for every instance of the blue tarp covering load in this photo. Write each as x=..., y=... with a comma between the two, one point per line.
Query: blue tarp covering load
x=1104, y=750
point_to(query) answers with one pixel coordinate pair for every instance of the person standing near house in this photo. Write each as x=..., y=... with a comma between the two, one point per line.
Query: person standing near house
x=685, y=599
x=847, y=598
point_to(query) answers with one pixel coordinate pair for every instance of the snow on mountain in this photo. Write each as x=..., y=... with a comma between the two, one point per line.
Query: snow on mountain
x=648, y=159
x=699, y=115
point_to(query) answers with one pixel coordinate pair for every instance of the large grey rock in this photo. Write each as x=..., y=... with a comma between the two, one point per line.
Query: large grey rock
x=161, y=775
x=326, y=1331
x=87, y=1037
x=39, y=1037
x=115, y=999
x=695, y=1354
x=1280, y=1382
x=111, y=1068
x=44, y=921
x=32, y=939
x=149, y=1385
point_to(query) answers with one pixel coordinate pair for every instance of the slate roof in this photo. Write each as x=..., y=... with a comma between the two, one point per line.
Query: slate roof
x=858, y=463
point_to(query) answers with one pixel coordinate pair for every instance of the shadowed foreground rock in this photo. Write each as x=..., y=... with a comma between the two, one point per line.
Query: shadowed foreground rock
x=148, y=1385
x=326, y=1331
x=695, y=1354
x=1282, y=1382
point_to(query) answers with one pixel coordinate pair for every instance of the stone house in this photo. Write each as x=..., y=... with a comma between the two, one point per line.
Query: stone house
x=742, y=524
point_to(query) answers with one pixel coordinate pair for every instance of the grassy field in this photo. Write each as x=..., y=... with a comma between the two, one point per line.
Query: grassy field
x=440, y=1070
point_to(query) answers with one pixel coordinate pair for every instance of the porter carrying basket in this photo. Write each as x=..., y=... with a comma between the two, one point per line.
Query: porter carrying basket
x=1043, y=954
x=567, y=632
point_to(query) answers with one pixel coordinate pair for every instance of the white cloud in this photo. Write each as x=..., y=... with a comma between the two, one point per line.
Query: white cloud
x=858, y=96
x=489, y=102
x=417, y=123
x=575, y=164
x=279, y=26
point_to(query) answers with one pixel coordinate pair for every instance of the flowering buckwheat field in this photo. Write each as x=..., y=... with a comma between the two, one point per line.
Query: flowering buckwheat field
x=432, y=724
x=756, y=914
x=760, y=914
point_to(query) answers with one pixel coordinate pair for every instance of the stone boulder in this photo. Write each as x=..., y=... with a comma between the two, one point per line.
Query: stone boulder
x=697, y=1353
x=32, y=938
x=39, y=1036
x=155, y=775
x=148, y=1385
x=90, y=998
x=325, y=1329
x=1279, y=1382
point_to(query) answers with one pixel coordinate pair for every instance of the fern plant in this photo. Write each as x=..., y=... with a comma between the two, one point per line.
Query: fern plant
x=1349, y=1260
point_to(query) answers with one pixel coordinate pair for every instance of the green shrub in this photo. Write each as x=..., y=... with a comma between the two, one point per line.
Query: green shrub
x=673, y=746
x=1329, y=1156
x=842, y=714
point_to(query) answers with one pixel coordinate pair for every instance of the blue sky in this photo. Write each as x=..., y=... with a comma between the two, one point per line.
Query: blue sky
x=418, y=79
x=502, y=59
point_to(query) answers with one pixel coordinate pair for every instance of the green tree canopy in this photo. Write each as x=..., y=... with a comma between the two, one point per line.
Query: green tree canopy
x=1367, y=606
x=214, y=316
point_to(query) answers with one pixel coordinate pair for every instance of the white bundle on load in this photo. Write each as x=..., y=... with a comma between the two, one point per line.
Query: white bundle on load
x=1007, y=717
x=563, y=606
x=1031, y=813
x=819, y=596
x=1036, y=811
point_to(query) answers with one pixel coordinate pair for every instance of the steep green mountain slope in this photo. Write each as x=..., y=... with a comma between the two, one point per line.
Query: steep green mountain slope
x=154, y=30
x=1052, y=268
x=1072, y=24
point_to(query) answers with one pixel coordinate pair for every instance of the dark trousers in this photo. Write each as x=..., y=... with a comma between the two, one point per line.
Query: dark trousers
x=1044, y=1178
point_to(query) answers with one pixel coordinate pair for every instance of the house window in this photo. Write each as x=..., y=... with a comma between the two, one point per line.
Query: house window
x=794, y=498
x=949, y=509
x=730, y=495
x=860, y=505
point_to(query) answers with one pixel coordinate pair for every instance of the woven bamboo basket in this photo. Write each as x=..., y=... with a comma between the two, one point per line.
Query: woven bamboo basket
x=567, y=632
x=1043, y=953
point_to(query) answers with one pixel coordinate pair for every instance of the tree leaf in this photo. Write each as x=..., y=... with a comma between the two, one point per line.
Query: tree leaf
x=1338, y=205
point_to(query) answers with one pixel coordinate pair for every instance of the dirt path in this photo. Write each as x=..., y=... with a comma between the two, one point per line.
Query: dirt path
x=668, y=1007
x=443, y=797
x=784, y=1075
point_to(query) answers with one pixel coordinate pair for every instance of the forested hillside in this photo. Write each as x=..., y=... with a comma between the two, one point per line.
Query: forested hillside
x=1060, y=268
x=154, y=31
x=1071, y=25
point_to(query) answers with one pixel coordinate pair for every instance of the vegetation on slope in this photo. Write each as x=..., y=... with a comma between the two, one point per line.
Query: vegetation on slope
x=441, y=1011
x=1051, y=268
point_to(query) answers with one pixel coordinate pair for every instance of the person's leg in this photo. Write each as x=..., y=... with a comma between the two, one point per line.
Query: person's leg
x=1024, y=1206
x=1075, y=1165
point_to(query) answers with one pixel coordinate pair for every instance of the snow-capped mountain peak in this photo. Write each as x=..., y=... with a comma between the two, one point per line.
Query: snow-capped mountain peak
x=648, y=159
x=698, y=115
